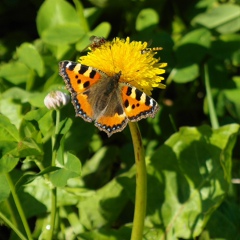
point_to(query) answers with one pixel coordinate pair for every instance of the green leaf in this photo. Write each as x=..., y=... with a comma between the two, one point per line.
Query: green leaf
x=60, y=177
x=200, y=36
x=236, y=59
x=65, y=125
x=73, y=163
x=196, y=44
x=36, y=114
x=27, y=129
x=109, y=234
x=96, y=210
x=80, y=13
x=79, y=135
x=30, y=147
x=232, y=99
x=14, y=104
x=8, y=131
x=31, y=143
x=186, y=74
x=8, y=162
x=71, y=169
x=189, y=177
x=9, y=138
x=46, y=124
x=225, y=18
x=147, y=18
x=29, y=177
x=15, y=72
x=4, y=188
x=54, y=12
x=228, y=217
x=58, y=23
x=38, y=195
x=103, y=30
x=45, y=120
x=101, y=162
x=226, y=46
x=64, y=34
x=29, y=55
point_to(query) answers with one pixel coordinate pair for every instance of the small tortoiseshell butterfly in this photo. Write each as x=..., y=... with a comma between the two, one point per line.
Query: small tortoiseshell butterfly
x=103, y=99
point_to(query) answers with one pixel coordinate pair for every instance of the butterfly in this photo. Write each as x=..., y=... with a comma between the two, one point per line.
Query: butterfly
x=103, y=99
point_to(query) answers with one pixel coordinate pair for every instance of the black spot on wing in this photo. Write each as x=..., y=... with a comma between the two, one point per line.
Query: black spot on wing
x=138, y=94
x=92, y=74
x=147, y=101
x=129, y=91
x=83, y=69
x=86, y=84
x=126, y=103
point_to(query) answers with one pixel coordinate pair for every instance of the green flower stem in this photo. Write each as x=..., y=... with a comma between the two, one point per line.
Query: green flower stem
x=54, y=150
x=212, y=112
x=141, y=183
x=12, y=226
x=54, y=190
x=13, y=214
x=19, y=206
x=53, y=213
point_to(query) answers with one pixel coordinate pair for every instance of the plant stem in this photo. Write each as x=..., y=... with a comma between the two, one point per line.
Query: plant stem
x=141, y=183
x=54, y=150
x=53, y=213
x=19, y=206
x=12, y=226
x=212, y=112
x=54, y=190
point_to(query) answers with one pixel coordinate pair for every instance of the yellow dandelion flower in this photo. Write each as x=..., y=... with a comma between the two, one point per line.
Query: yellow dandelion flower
x=137, y=65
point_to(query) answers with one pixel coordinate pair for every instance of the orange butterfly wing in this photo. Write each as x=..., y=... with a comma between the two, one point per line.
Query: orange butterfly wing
x=78, y=79
x=134, y=106
x=114, y=118
x=137, y=104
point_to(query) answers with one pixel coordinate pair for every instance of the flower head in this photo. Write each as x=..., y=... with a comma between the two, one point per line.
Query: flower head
x=56, y=99
x=136, y=64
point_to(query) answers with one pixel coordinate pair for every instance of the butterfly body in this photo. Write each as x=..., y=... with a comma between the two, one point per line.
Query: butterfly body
x=104, y=99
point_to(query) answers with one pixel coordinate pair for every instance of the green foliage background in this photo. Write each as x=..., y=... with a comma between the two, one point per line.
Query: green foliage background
x=192, y=145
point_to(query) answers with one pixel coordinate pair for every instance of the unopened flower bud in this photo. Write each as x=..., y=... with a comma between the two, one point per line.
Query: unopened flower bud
x=56, y=99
